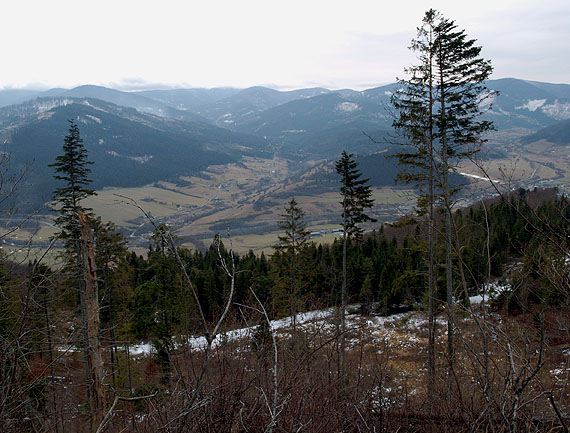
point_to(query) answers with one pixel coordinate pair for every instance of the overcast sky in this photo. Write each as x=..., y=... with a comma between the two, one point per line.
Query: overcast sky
x=357, y=44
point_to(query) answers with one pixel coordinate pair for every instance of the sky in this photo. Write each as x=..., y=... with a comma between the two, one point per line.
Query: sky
x=137, y=44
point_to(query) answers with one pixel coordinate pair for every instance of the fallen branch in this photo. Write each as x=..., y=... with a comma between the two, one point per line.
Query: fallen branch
x=118, y=398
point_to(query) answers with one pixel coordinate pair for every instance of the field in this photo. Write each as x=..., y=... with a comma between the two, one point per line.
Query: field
x=245, y=200
x=111, y=204
x=540, y=162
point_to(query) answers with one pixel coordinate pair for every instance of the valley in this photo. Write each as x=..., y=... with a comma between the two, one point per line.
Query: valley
x=243, y=200
x=207, y=161
x=246, y=199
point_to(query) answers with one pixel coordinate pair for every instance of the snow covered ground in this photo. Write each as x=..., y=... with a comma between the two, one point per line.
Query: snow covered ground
x=199, y=343
x=491, y=291
x=409, y=323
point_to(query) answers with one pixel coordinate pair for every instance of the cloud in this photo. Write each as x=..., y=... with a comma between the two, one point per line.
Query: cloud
x=528, y=41
x=139, y=83
x=227, y=43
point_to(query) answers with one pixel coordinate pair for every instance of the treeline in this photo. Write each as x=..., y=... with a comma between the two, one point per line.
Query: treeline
x=386, y=270
x=145, y=297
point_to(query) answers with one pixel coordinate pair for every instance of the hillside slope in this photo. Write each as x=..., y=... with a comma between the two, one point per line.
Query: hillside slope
x=128, y=148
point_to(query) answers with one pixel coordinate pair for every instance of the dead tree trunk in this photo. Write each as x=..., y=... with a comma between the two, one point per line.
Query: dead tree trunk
x=91, y=296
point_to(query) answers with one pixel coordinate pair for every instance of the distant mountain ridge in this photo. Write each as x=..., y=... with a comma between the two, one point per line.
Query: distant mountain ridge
x=321, y=125
x=559, y=133
x=527, y=104
x=128, y=148
x=189, y=99
x=125, y=99
x=227, y=111
x=187, y=129
x=520, y=103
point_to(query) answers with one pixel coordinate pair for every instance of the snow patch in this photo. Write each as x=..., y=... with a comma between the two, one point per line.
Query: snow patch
x=486, y=100
x=200, y=343
x=140, y=349
x=95, y=119
x=532, y=105
x=227, y=118
x=141, y=159
x=46, y=105
x=559, y=372
x=388, y=93
x=558, y=110
x=347, y=107
x=490, y=292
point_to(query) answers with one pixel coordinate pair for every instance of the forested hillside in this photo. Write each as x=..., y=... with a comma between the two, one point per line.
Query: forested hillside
x=128, y=148
x=515, y=239
x=420, y=282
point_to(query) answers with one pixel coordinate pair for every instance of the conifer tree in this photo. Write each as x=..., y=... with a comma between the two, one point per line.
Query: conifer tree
x=439, y=108
x=356, y=199
x=291, y=245
x=460, y=90
x=76, y=222
x=72, y=167
x=415, y=104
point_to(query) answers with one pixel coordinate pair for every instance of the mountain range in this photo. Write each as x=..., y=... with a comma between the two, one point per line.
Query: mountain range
x=136, y=138
x=128, y=148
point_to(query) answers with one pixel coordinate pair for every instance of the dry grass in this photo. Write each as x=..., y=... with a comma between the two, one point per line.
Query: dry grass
x=384, y=388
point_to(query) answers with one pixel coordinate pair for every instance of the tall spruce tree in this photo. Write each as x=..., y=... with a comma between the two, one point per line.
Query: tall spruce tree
x=439, y=107
x=356, y=199
x=290, y=247
x=72, y=168
x=76, y=222
x=414, y=103
x=460, y=88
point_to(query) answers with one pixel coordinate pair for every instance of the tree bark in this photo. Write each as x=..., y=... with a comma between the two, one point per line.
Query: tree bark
x=343, y=304
x=91, y=296
x=446, y=191
x=431, y=292
x=431, y=274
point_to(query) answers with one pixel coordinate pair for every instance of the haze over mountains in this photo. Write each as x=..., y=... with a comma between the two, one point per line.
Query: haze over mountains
x=136, y=138
x=231, y=107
